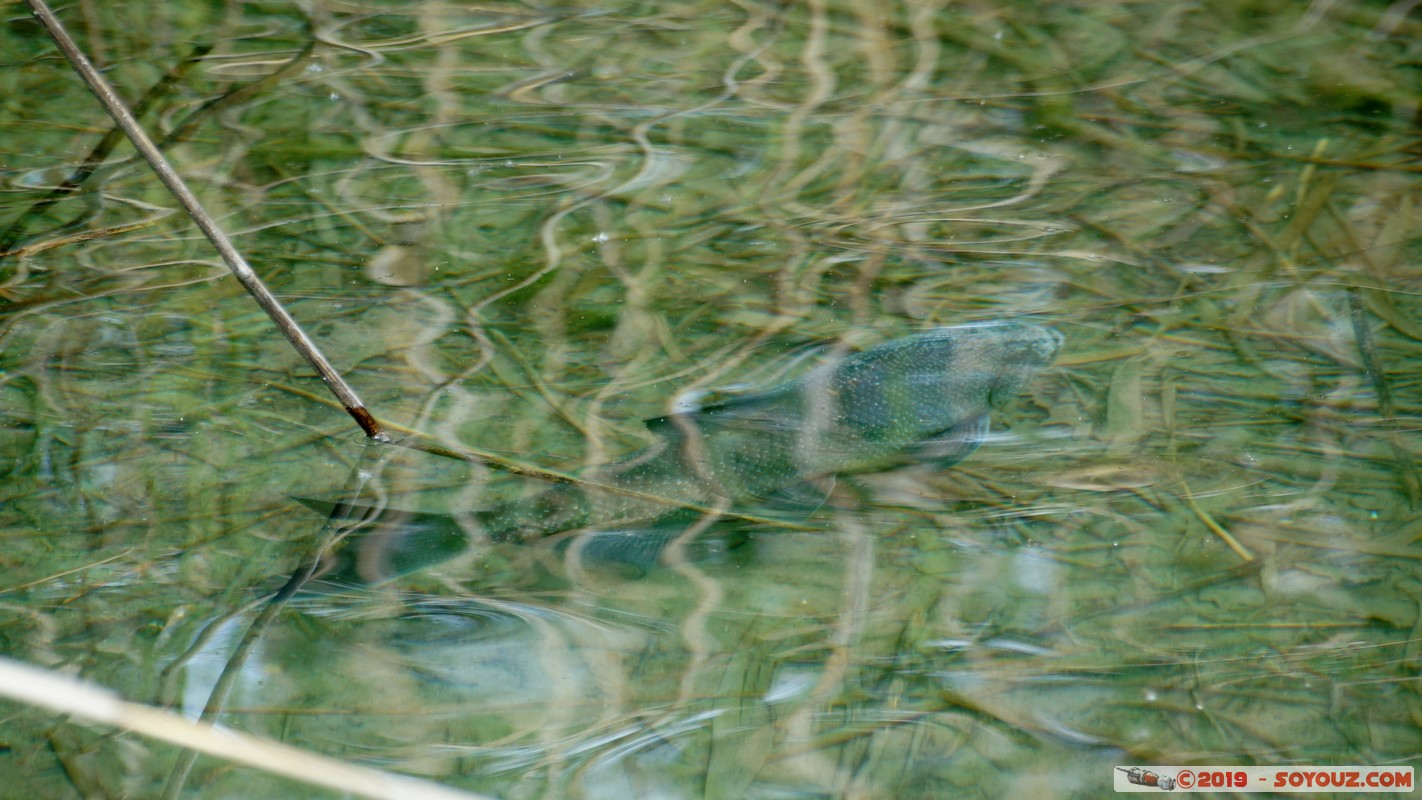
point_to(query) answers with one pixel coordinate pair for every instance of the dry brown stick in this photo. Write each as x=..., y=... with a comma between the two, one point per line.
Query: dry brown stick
x=175, y=184
x=55, y=691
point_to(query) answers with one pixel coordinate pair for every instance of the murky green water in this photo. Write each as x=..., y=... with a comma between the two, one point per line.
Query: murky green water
x=524, y=230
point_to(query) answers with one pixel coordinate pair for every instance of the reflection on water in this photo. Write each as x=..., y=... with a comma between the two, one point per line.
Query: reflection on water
x=522, y=231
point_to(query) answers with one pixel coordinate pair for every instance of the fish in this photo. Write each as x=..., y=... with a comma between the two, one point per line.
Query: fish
x=921, y=398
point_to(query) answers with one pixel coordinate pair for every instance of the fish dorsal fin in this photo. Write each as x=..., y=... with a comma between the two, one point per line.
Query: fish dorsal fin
x=952, y=445
x=759, y=405
x=767, y=411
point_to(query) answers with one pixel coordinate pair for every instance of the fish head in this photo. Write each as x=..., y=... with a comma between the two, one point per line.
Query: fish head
x=913, y=388
x=1020, y=350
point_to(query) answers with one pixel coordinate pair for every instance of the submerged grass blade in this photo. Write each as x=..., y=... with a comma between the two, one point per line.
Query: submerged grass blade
x=1372, y=365
x=16, y=230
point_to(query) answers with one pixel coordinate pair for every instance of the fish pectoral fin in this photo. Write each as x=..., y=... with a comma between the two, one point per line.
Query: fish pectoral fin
x=804, y=496
x=952, y=445
x=636, y=548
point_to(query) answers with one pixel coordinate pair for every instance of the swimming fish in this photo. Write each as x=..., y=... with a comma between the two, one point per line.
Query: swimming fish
x=924, y=397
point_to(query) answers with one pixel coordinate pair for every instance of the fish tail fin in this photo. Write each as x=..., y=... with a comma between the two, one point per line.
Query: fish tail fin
x=387, y=543
x=325, y=507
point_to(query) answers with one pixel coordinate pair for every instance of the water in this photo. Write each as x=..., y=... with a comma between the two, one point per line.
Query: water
x=524, y=230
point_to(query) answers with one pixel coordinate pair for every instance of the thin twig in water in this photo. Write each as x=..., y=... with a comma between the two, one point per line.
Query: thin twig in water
x=175, y=184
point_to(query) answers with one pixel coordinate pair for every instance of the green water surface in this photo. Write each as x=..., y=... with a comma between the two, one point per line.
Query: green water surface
x=522, y=229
